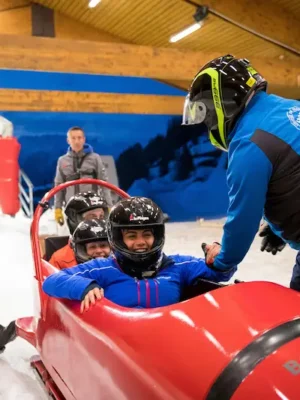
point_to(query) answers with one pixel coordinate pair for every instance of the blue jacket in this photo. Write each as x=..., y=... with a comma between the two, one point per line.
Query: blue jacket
x=162, y=290
x=87, y=149
x=263, y=176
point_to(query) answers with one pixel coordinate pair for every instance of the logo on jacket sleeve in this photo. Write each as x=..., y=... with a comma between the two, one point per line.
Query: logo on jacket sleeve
x=294, y=116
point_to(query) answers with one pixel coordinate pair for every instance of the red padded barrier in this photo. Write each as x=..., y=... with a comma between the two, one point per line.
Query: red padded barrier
x=9, y=175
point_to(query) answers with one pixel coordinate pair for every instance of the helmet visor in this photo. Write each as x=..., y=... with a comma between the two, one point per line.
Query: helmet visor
x=194, y=112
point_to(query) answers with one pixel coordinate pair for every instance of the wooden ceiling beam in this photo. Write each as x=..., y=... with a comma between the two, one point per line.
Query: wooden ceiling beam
x=261, y=16
x=10, y=4
x=34, y=53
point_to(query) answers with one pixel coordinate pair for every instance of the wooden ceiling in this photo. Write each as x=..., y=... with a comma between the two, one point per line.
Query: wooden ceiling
x=152, y=22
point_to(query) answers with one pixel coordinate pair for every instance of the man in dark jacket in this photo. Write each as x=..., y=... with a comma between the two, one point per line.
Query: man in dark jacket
x=261, y=134
x=79, y=162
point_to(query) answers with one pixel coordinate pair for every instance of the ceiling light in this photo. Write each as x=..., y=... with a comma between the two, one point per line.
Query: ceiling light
x=94, y=3
x=190, y=29
x=199, y=16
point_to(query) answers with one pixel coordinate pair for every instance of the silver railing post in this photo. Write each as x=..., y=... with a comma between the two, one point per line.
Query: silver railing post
x=26, y=194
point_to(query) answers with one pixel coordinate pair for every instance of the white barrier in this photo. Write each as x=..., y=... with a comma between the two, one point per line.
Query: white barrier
x=6, y=127
x=111, y=170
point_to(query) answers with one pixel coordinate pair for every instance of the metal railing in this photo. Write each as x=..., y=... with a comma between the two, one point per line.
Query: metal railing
x=26, y=194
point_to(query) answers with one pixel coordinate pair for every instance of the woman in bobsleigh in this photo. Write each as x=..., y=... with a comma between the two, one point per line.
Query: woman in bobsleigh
x=138, y=274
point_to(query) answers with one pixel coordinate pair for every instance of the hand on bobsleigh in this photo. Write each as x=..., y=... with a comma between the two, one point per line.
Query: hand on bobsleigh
x=211, y=251
x=271, y=243
x=90, y=298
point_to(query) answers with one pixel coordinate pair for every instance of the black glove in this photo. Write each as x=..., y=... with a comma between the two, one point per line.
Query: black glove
x=271, y=242
x=7, y=335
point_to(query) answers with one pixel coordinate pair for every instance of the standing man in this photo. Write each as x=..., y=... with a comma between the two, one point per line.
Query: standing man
x=261, y=133
x=79, y=162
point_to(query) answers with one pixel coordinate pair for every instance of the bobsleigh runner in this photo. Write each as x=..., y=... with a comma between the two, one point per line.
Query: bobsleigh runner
x=238, y=341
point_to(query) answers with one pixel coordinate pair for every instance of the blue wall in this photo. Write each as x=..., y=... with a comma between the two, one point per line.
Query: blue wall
x=155, y=155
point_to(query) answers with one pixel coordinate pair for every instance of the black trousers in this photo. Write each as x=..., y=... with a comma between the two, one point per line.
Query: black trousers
x=295, y=281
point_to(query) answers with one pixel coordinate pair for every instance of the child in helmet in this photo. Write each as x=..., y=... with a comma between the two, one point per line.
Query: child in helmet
x=81, y=207
x=90, y=240
x=138, y=274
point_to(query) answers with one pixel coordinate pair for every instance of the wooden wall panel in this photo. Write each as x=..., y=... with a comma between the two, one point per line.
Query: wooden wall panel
x=10, y=4
x=152, y=22
x=288, y=92
x=260, y=16
x=34, y=100
x=68, y=28
x=16, y=21
x=123, y=59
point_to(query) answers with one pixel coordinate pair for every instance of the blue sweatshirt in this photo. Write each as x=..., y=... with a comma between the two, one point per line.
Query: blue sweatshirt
x=162, y=290
x=263, y=176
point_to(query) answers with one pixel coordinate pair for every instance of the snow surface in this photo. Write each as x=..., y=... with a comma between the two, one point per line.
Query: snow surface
x=17, y=379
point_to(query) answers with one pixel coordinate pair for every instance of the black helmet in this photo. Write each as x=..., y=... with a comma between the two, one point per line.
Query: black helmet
x=93, y=230
x=79, y=204
x=219, y=94
x=136, y=213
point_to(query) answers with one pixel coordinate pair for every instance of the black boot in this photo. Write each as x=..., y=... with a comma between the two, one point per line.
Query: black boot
x=7, y=335
x=295, y=281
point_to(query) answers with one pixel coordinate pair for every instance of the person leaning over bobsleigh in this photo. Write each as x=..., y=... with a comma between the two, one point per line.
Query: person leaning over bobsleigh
x=89, y=241
x=138, y=274
x=81, y=207
x=260, y=132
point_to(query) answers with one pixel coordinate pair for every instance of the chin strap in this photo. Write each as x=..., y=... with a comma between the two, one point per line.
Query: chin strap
x=148, y=274
x=140, y=273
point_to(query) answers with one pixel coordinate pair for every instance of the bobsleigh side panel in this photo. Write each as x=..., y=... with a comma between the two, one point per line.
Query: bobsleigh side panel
x=276, y=377
x=176, y=352
x=94, y=365
x=197, y=339
x=170, y=352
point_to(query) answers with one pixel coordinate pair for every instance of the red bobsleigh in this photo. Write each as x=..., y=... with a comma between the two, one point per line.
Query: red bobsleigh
x=239, y=341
